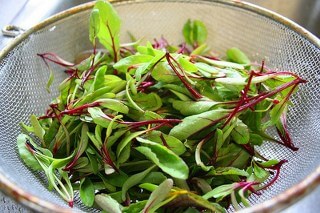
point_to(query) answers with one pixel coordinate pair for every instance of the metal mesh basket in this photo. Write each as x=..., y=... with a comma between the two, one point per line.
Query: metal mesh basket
x=261, y=34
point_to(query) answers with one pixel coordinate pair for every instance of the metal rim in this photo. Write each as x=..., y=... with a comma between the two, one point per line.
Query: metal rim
x=280, y=201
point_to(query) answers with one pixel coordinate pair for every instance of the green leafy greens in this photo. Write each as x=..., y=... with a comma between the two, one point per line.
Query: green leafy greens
x=143, y=128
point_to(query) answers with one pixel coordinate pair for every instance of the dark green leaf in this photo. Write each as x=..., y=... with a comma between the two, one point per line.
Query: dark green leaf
x=134, y=180
x=87, y=192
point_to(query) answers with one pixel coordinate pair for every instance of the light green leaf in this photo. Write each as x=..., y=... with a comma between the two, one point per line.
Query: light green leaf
x=132, y=61
x=109, y=27
x=236, y=55
x=220, y=191
x=187, y=65
x=164, y=158
x=173, y=143
x=107, y=203
x=27, y=157
x=114, y=105
x=94, y=25
x=38, y=130
x=240, y=133
x=193, y=107
x=158, y=195
x=194, y=123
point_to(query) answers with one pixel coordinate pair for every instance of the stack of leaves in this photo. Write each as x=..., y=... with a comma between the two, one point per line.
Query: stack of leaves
x=155, y=127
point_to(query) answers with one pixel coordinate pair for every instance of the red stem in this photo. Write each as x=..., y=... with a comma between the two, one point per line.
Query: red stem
x=193, y=92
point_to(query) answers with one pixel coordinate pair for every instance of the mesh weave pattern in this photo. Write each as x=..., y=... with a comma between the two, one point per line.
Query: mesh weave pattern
x=23, y=76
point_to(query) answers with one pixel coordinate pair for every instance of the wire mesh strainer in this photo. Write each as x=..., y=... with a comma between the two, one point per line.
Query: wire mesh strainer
x=259, y=33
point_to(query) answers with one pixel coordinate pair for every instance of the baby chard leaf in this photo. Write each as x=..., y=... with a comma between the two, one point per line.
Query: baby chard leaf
x=113, y=104
x=87, y=192
x=25, y=153
x=158, y=195
x=134, y=180
x=38, y=130
x=150, y=101
x=163, y=157
x=194, y=32
x=220, y=191
x=167, y=140
x=107, y=203
x=236, y=55
x=240, y=133
x=99, y=117
x=194, y=123
x=109, y=29
x=193, y=107
x=94, y=25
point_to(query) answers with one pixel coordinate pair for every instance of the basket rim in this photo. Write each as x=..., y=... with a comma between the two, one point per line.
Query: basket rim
x=281, y=201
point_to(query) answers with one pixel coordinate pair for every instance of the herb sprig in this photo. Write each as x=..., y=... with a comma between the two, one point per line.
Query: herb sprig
x=144, y=128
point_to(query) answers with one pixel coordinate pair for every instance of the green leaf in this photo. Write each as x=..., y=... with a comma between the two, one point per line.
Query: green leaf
x=256, y=139
x=134, y=180
x=27, y=157
x=194, y=123
x=194, y=32
x=220, y=191
x=87, y=192
x=150, y=101
x=94, y=25
x=158, y=195
x=114, y=105
x=109, y=27
x=154, y=178
x=173, y=143
x=187, y=29
x=98, y=81
x=51, y=133
x=199, y=32
x=269, y=163
x=59, y=163
x=222, y=64
x=38, y=130
x=107, y=203
x=195, y=200
x=130, y=100
x=164, y=158
x=277, y=110
x=240, y=133
x=236, y=55
x=193, y=107
x=260, y=173
x=133, y=60
x=198, y=157
x=202, y=184
x=50, y=80
x=134, y=207
x=200, y=50
x=233, y=155
x=187, y=65
x=99, y=117
x=126, y=140
x=206, y=68
x=163, y=73
x=228, y=171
